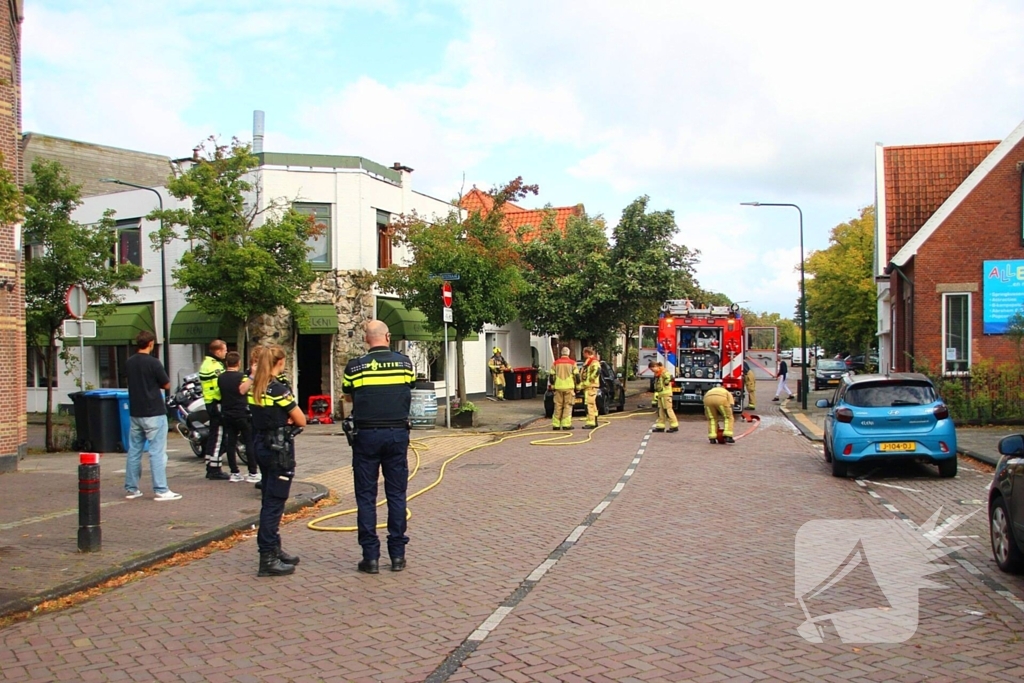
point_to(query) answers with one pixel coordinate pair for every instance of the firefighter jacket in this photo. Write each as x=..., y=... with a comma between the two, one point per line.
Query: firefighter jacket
x=563, y=374
x=719, y=393
x=497, y=365
x=209, y=371
x=590, y=377
x=662, y=384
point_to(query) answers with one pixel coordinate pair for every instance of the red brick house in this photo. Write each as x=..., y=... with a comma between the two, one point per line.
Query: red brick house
x=949, y=240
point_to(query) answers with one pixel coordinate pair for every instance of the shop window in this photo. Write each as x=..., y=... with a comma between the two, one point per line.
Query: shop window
x=128, y=247
x=956, y=333
x=383, y=239
x=319, y=245
x=112, y=366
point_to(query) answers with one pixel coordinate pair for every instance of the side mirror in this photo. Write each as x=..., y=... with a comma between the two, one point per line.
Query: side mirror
x=618, y=375
x=1012, y=445
x=822, y=403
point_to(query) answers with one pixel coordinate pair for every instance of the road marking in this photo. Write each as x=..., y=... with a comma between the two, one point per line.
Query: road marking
x=51, y=515
x=454, y=660
x=1017, y=602
x=891, y=486
x=971, y=569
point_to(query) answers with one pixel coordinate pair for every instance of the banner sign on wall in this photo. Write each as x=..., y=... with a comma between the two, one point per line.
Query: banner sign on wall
x=1002, y=293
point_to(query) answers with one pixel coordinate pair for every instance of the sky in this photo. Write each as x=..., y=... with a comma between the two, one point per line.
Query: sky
x=700, y=106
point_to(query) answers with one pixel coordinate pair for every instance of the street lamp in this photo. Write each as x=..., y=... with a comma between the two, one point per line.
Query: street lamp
x=803, y=303
x=163, y=265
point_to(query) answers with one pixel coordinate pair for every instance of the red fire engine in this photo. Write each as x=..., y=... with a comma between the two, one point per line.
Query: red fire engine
x=702, y=348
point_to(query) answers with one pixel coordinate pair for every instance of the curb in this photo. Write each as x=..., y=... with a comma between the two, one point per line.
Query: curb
x=983, y=457
x=96, y=578
x=802, y=428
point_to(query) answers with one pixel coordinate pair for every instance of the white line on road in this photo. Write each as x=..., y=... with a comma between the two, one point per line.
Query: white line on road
x=618, y=487
x=891, y=486
x=629, y=472
x=541, y=570
x=600, y=508
x=576, y=533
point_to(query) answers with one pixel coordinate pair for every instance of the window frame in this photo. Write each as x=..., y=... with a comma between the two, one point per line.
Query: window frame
x=385, y=254
x=123, y=226
x=310, y=208
x=946, y=296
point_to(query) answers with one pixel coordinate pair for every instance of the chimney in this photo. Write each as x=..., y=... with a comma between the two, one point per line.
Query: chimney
x=257, y=131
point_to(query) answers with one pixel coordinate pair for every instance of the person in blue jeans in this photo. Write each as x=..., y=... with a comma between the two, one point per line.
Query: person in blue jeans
x=147, y=380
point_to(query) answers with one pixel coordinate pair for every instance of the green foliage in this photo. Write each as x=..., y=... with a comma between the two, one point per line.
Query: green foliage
x=477, y=248
x=248, y=258
x=841, y=293
x=632, y=358
x=568, y=281
x=789, y=331
x=72, y=254
x=992, y=393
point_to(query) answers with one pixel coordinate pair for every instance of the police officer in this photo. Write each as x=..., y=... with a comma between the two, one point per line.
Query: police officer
x=663, y=396
x=379, y=385
x=590, y=379
x=498, y=366
x=563, y=380
x=718, y=402
x=209, y=371
x=274, y=411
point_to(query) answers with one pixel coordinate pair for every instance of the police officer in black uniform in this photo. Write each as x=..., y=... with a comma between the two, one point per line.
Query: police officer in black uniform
x=379, y=384
x=274, y=419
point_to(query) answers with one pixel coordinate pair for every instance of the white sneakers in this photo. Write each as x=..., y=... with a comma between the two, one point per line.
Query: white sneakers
x=131, y=495
x=253, y=478
x=167, y=495
x=236, y=477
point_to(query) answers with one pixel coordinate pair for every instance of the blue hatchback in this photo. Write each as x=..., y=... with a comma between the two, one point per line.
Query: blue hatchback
x=888, y=417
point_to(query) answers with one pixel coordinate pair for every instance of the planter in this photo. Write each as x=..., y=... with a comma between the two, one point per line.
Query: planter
x=464, y=419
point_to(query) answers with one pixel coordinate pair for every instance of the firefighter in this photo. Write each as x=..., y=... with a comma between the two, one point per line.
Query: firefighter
x=563, y=379
x=719, y=402
x=209, y=371
x=590, y=379
x=498, y=367
x=663, y=398
x=750, y=382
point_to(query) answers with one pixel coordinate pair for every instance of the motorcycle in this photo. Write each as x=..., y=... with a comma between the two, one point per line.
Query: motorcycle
x=193, y=420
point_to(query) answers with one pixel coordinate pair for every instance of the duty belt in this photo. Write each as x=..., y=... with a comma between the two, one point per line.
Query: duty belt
x=382, y=424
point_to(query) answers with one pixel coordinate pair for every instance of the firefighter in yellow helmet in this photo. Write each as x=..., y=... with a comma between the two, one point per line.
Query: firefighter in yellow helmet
x=718, y=402
x=498, y=366
x=590, y=379
x=663, y=398
x=563, y=380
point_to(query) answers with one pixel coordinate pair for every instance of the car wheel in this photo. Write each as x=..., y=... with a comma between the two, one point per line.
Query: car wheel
x=947, y=468
x=622, y=400
x=839, y=469
x=828, y=453
x=1005, y=550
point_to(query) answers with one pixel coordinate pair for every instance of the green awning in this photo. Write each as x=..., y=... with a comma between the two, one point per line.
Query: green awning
x=192, y=326
x=122, y=326
x=410, y=323
x=318, y=319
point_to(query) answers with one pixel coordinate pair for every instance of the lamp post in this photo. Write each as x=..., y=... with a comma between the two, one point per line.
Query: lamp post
x=163, y=266
x=803, y=302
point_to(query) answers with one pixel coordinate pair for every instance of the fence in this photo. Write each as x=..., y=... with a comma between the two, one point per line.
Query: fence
x=989, y=395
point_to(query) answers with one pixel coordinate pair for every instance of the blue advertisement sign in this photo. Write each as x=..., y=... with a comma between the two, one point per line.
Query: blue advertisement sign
x=1002, y=293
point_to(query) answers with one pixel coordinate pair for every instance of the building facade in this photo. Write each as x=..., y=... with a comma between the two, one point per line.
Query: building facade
x=949, y=254
x=13, y=424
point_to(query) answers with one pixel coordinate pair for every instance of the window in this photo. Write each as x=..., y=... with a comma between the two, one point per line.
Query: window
x=956, y=333
x=128, y=248
x=383, y=239
x=36, y=366
x=886, y=394
x=319, y=254
x=113, y=374
x=33, y=251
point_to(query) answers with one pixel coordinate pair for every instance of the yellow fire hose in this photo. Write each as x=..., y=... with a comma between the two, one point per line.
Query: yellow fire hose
x=418, y=445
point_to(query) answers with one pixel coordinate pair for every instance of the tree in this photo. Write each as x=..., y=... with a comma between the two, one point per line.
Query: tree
x=479, y=249
x=569, y=289
x=647, y=267
x=72, y=254
x=789, y=331
x=841, y=295
x=246, y=260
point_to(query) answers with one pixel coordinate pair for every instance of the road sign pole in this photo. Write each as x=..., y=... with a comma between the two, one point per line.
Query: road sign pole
x=447, y=386
x=81, y=359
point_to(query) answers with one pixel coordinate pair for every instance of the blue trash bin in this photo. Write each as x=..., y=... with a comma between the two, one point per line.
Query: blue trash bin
x=125, y=416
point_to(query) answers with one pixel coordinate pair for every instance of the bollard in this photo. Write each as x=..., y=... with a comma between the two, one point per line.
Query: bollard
x=89, y=535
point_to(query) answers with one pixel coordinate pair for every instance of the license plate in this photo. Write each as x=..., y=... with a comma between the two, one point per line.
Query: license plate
x=833, y=381
x=897, y=446
x=677, y=390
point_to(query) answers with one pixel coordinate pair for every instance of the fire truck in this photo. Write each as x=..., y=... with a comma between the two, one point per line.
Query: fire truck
x=702, y=348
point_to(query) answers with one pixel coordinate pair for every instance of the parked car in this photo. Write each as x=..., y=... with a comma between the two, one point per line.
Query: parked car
x=888, y=417
x=827, y=373
x=857, y=363
x=611, y=394
x=787, y=354
x=1006, y=505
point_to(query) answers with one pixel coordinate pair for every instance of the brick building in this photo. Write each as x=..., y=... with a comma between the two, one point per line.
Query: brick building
x=13, y=426
x=949, y=252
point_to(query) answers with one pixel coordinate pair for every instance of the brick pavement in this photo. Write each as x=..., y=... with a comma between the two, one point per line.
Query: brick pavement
x=687, y=574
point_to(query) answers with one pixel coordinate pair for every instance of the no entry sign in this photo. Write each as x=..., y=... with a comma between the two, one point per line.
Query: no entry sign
x=446, y=294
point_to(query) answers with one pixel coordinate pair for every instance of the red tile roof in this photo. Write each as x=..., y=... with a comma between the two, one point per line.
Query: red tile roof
x=919, y=178
x=516, y=216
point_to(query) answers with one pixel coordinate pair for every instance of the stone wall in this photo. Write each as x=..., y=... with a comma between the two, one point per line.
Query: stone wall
x=352, y=297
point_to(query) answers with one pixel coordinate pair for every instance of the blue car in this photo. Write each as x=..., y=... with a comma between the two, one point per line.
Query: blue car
x=888, y=417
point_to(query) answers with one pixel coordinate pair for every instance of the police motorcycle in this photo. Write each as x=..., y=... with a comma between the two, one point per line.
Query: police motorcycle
x=193, y=420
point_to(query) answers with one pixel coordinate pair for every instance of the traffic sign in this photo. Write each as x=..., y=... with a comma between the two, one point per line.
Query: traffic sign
x=446, y=295
x=79, y=328
x=76, y=301
x=446, y=314
x=445, y=276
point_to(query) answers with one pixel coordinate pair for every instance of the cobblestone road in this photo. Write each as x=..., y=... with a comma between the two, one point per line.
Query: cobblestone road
x=618, y=559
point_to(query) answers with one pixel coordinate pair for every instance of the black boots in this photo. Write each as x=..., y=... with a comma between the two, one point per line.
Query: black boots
x=369, y=566
x=216, y=473
x=271, y=565
x=285, y=557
